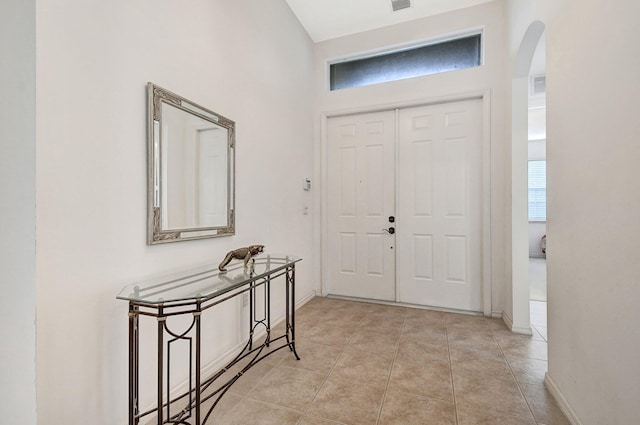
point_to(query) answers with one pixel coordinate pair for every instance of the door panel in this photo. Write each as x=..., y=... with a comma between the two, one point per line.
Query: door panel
x=439, y=205
x=360, y=198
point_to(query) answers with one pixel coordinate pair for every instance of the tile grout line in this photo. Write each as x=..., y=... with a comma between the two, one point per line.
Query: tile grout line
x=395, y=355
x=344, y=349
x=453, y=386
x=514, y=376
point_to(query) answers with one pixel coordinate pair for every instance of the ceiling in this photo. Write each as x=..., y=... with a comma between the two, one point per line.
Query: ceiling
x=327, y=19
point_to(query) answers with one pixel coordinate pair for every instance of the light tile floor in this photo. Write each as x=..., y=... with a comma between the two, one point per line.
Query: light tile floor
x=538, y=279
x=538, y=317
x=371, y=364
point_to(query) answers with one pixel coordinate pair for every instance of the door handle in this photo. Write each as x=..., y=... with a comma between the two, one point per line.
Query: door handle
x=390, y=230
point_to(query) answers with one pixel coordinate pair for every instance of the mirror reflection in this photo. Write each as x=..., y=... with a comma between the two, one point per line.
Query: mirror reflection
x=191, y=180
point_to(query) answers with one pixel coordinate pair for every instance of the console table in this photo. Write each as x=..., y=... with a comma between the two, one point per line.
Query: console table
x=190, y=294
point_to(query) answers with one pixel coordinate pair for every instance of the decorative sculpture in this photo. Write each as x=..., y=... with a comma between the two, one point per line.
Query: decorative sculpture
x=241, y=254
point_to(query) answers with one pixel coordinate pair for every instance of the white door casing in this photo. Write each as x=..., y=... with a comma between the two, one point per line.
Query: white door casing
x=439, y=226
x=360, y=199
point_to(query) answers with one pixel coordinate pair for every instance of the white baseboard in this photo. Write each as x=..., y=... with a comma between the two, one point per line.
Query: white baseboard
x=311, y=295
x=496, y=314
x=561, y=401
x=507, y=320
x=524, y=330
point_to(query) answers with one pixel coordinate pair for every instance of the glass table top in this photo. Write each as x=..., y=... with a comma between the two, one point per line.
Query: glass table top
x=205, y=281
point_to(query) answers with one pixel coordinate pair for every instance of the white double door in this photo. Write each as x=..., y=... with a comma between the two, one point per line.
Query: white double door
x=416, y=170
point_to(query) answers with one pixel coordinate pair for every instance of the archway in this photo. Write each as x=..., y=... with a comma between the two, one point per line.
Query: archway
x=520, y=320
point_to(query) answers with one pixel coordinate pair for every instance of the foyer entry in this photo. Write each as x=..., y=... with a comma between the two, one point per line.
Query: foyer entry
x=404, y=192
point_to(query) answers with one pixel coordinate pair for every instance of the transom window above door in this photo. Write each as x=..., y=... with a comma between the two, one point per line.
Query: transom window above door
x=426, y=59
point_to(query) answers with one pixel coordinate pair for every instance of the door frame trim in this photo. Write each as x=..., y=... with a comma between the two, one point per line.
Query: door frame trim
x=486, y=254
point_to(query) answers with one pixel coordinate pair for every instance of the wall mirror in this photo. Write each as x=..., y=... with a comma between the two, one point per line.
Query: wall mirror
x=191, y=168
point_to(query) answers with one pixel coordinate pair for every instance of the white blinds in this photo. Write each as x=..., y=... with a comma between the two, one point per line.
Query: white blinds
x=538, y=190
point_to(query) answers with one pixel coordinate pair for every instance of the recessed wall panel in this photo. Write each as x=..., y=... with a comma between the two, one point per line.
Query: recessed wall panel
x=423, y=256
x=348, y=181
x=348, y=130
x=421, y=122
x=456, y=163
x=422, y=163
x=454, y=119
x=348, y=252
x=375, y=180
x=375, y=127
x=375, y=254
x=456, y=258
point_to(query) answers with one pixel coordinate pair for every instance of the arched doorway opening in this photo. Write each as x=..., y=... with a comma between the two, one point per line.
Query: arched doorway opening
x=520, y=86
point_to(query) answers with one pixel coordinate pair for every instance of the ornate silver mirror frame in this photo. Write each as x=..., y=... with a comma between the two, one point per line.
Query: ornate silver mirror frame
x=191, y=170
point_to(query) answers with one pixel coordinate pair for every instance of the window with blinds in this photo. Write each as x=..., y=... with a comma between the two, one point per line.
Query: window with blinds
x=538, y=190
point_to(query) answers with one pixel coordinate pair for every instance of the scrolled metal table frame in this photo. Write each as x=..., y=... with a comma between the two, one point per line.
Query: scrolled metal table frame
x=193, y=398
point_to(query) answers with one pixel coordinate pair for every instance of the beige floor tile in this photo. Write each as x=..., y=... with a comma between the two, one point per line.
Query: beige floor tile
x=543, y=406
x=426, y=315
x=429, y=379
x=516, y=349
x=469, y=322
x=389, y=309
x=486, y=418
x=251, y=412
x=329, y=335
x=347, y=402
x=478, y=339
x=249, y=379
x=418, y=357
x=289, y=387
x=373, y=341
x=227, y=403
x=276, y=351
x=314, y=357
x=347, y=319
x=477, y=392
x=301, y=325
x=365, y=367
x=311, y=420
x=312, y=315
x=383, y=322
x=529, y=371
x=354, y=307
x=497, y=324
x=418, y=330
x=422, y=351
x=465, y=360
x=408, y=409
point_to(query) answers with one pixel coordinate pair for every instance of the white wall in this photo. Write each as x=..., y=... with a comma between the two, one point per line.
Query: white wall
x=250, y=61
x=489, y=77
x=593, y=204
x=17, y=215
